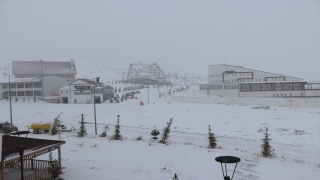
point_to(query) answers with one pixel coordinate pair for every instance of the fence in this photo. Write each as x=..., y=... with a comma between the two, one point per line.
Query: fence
x=40, y=167
x=274, y=102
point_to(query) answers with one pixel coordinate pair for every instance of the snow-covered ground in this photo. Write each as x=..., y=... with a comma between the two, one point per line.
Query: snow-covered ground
x=295, y=135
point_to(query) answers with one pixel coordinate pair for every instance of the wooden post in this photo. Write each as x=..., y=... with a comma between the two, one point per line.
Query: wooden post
x=2, y=173
x=59, y=156
x=32, y=164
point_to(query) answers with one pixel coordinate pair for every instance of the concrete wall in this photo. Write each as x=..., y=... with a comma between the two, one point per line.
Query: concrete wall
x=272, y=102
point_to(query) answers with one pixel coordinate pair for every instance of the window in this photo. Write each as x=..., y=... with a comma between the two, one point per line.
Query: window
x=29, y=85
x=29, y=93
x=20, y=85
x=20, y=93
x=37, y=84
x=4, y=86
x=61, y=92
x=37, y=93
x=75, y=101
x=12, y=85
x=13, y=93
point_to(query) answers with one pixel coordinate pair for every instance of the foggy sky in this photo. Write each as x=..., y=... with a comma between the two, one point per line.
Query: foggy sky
x=185, y=36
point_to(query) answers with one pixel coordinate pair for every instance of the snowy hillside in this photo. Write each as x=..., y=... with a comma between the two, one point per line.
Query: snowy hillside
x=238, y=129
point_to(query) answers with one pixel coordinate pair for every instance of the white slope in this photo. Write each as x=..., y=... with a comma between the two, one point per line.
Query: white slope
x=239, y=130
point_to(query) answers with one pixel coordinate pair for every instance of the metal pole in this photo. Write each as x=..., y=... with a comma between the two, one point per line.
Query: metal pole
x=94, y=104
x=21, y=161
x=148, y=93
x=10, y=101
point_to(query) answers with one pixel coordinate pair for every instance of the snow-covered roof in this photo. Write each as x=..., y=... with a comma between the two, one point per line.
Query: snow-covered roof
x=41, y=67
x=142, y=73
x=34, y=79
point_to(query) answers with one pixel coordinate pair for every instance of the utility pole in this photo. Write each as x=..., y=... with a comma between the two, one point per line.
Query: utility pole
x=94, y=103
x=9, y=97
x=148, y=93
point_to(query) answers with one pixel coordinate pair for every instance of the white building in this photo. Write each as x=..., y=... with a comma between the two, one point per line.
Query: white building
x=236, y=81
x=28, y=88
x=26, y=69
x=84, y=91
x=146, y=74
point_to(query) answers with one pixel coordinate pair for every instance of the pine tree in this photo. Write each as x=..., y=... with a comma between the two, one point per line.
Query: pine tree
x=54, y=168
x=212, y=139
x=166, y=131
x=55, y=125
x=104, y=132
x=82, y=131
x=155, y=133
x=111, y=101
x=266, y=148
x=117, y=135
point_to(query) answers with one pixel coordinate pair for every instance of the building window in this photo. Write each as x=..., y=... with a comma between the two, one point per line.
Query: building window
x=61, y=92
x=4, y=86
x=277, y=94
x=20, y=93
x=13, y=93
x=20, y=85
x=274, y=95
x=37, y=93
x=37, y=84
x=29, y=93
x=290, y=94
x=12, y=85
x=75, y=101
x=29, y=85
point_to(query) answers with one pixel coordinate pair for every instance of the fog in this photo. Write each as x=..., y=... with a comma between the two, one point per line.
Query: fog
x=181, y=36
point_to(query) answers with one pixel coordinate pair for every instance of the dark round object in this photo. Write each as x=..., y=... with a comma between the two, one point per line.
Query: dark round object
x=228, y=159
x=35, y=131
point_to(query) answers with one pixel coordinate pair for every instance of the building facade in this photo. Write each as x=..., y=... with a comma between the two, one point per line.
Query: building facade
x=29, y=88
x=85, y=91
x=27, y=69
x=236, y=81
x=146, y=74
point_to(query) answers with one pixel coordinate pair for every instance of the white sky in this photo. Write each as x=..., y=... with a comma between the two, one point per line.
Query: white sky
x=186, y=36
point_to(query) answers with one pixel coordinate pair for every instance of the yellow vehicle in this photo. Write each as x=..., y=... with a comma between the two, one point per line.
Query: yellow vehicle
x=37, y=127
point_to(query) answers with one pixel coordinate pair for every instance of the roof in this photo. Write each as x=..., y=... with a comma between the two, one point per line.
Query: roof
x=142, y=73
x=34, y=79
x=254, y=70
x=41, y=67
x=10, y=145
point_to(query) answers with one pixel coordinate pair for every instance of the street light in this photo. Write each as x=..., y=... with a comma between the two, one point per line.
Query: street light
x=225, y=160
x=9, y=97
x=94, y=103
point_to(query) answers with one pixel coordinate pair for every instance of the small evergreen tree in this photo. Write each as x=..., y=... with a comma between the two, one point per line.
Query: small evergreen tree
x=104, y=132
x=111, y=101
x=117, y=135
x=266, y=148
x=212, y=139
x=82, y=131
x=54, y=168
x=119, y=89
x=55, y=125
x=166, y=131
x=155, y=133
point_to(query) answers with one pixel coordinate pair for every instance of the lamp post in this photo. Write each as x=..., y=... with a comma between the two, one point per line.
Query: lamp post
x=21, y=161
x=94, y=103
x=9, y=97
x=148, y=93
x=229, y=160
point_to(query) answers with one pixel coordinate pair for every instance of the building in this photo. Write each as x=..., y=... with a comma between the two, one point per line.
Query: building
x=27, y=69
x=83, y=91
x=29, y=88
x=236, y=81
x=146, y=74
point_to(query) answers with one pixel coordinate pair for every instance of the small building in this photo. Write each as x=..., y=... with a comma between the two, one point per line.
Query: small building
x=29, y=88
x=236, y=81
x=85, y=91
x=146, y=74
x=27, y=69
x=32, y=148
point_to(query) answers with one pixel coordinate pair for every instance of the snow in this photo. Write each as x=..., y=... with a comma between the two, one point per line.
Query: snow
x=295, y=135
